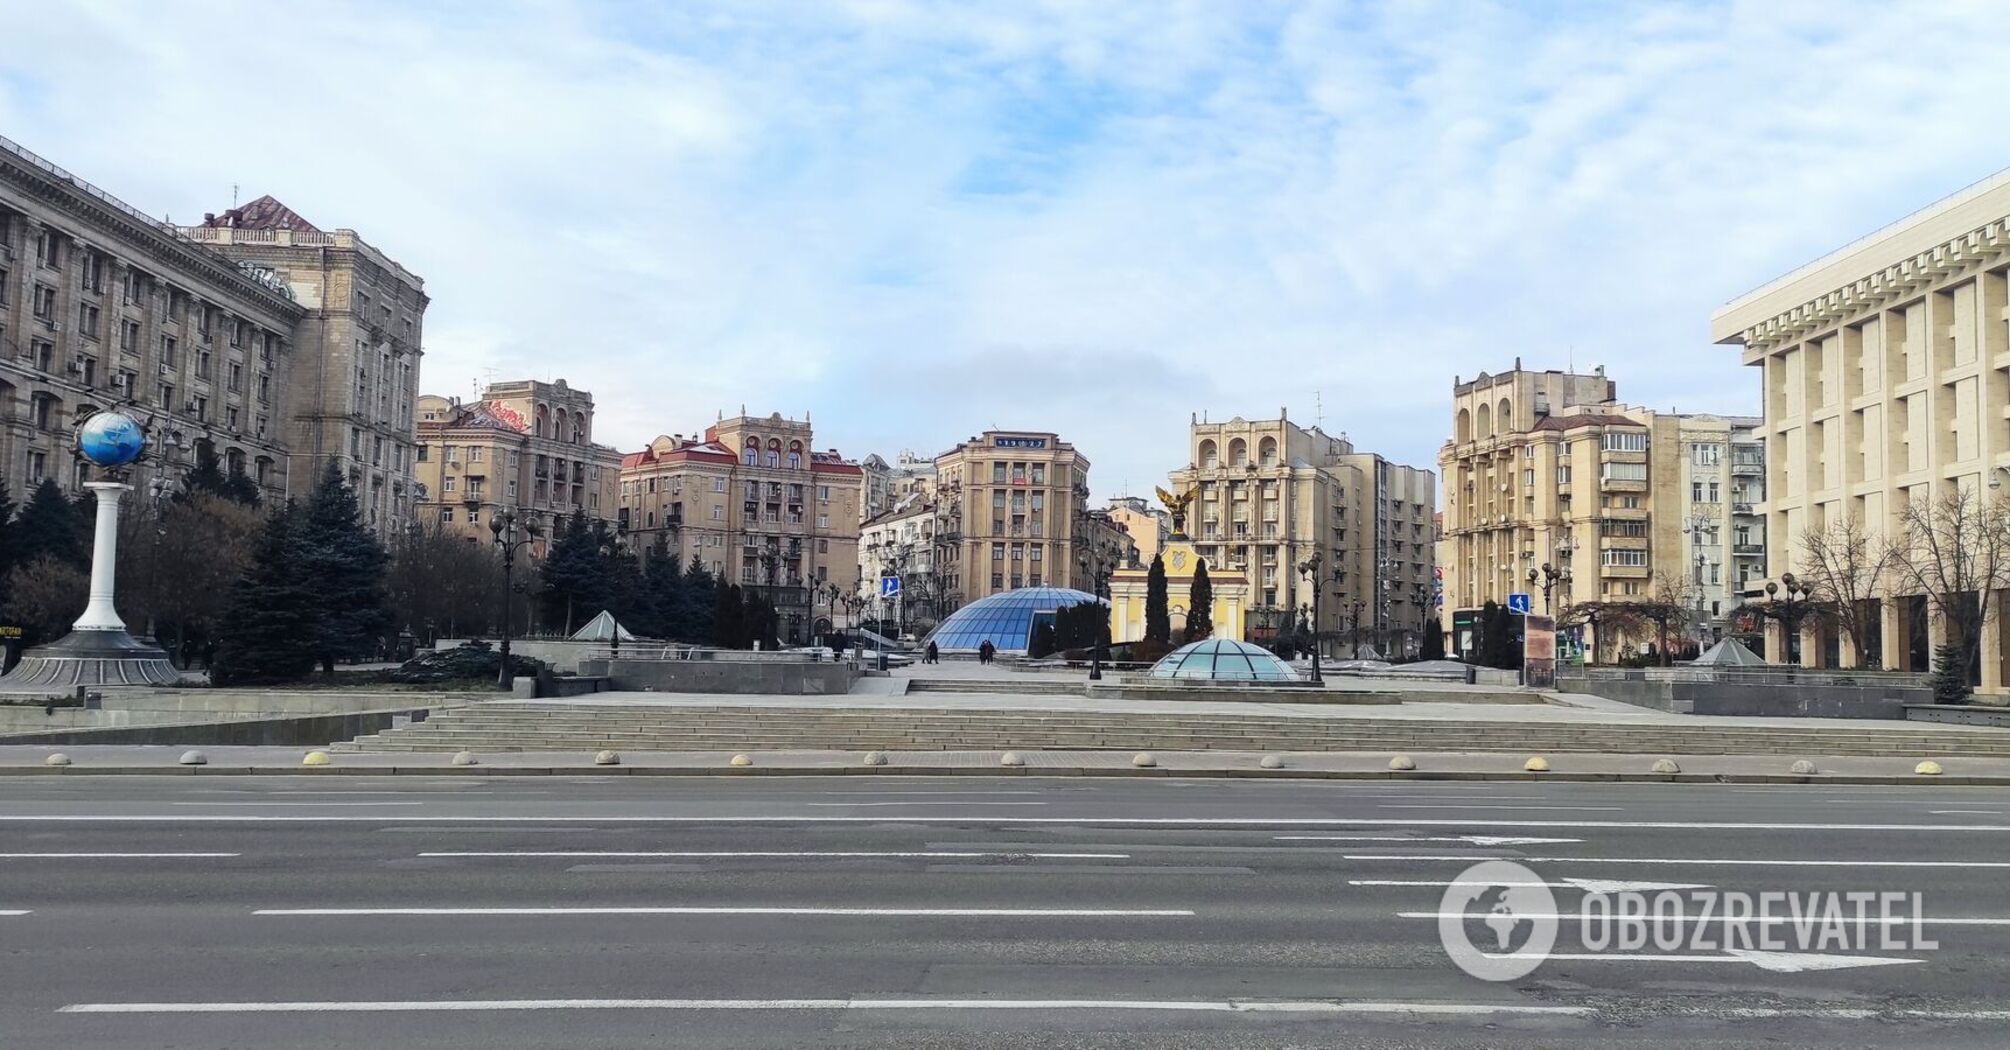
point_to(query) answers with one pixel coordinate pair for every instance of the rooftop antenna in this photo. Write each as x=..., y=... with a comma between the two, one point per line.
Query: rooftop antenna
x=1318, y=410
x=233, y=195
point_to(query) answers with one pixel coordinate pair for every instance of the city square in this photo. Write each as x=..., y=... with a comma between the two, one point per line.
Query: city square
x=941, y=524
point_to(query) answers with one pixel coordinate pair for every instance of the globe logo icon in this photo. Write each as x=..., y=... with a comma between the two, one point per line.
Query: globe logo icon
x=111, y=439
x=1497, y=921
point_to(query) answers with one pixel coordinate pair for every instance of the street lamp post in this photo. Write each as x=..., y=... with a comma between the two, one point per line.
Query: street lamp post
x=1309, y=568
x=1798, y=603
x=1354, y=625
x=510, y=536
x=1547, y=578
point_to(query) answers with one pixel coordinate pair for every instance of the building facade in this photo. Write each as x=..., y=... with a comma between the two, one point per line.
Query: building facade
x=1013, y=500
x=887, y=483
x=908, y=540
x=1147, y=524
x=756, y=504
x=104, y=307
x=525, y=447
x=1550, y=470
x=1885, y=382
x=350, y=397
x=1269, y=495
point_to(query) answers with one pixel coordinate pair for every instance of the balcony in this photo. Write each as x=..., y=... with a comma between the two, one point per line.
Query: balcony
x=1743, y=507
x=1748, y=466
x=1749, y=550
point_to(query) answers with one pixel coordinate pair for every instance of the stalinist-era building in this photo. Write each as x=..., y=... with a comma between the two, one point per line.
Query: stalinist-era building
x=1886, y=371
x=1270, y=493
x=525, y=447
x=1626, y=504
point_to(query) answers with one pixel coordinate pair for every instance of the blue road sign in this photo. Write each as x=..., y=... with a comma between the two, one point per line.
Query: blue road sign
x=1519, y=604
x=889, y=587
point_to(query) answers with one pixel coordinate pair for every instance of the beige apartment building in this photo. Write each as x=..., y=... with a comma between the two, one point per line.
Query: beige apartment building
x=910, y=540
x=1886, y=376
x=350, y=395
x=753, y=500
x=1013, y=500
x=525, y=447
x=1147, y=524
x=1269, y=494
x=103, y=307
x=1550, y=469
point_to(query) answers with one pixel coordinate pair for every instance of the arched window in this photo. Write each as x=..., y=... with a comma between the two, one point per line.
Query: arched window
x=1504, y=417
x=1208, y=460
x=752, y=456
x=543, y=421
x=1238, y=453
x=1266, y=450
x=578, y=427
x=774, y=452
x=1465, y=427
x=795, y=455
x=1484, y=422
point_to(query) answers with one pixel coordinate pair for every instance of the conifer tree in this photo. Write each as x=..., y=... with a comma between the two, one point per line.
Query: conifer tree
x=268, y=633
x=51, y=525
x=1158, y=614
x=1200, y=605
x=345, y=565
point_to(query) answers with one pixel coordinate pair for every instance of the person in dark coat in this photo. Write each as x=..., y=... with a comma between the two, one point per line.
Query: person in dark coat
x=934, y=655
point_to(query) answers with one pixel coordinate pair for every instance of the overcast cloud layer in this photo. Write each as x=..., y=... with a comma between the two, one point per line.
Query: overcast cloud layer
x=916, y=220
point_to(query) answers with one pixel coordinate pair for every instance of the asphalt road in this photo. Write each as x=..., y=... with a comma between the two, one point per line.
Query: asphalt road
x=613, y=912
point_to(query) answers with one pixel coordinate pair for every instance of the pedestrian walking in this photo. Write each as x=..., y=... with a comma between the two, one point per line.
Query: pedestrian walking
x=934, y=655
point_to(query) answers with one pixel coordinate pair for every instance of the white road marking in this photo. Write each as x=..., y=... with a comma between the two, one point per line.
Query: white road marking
x=1477, y=840
x=23, y=911
x=1777, y=962
x=1729, y=861
x=299, y=804
x=1085, y=913
x=1587, y=885
x=1764, y=920
x=860, y=805
x=1966, y=812
x=1167, y=1005
x=772, y=853
x=877, y=794
x=116, y=856
x=1583, y=809
x=1154, y=822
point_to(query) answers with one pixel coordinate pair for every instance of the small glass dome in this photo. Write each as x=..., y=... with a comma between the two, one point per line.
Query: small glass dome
x=1006, y=620
x=1224, y=660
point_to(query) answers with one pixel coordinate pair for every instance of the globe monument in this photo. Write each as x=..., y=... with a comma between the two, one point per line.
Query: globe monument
x=99, y=650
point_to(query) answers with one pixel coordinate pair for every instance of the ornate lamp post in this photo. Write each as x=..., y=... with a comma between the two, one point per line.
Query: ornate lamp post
x=1547, y=578
x=1310, y=569
x=1099, y=561
x=1798, y=603
x=510, y=536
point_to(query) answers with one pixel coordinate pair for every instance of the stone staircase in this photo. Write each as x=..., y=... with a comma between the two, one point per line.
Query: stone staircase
x=1030, y=687
x=561, y=727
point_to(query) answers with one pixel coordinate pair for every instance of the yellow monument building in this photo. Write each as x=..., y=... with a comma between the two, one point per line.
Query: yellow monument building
x=1128, y=587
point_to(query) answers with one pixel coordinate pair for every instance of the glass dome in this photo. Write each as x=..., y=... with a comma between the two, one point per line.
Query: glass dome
x=1006, y=620
x=1224, y=660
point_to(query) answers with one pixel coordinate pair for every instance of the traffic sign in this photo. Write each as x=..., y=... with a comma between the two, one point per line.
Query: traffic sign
x=889, y=586
x=1519, y=604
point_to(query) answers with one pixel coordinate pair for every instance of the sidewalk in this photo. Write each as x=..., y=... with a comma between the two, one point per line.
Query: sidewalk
x=1768, y=769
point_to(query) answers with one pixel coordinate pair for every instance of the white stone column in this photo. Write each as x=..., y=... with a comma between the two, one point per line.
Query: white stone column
x=100, y=615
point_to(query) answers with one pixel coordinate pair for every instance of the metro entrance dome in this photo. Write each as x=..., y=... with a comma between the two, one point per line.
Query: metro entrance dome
x=1006, y=620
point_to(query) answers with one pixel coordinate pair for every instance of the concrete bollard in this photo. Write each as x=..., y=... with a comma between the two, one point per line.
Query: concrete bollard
x=1666, y=765
x=875, y=758
x=1928, y=768
x=57, y=759
x=1536, y=764
x=1271, y=761
x=1011, y=758
x=1402, y=763
x=314, y=758
x=194, y=758
x=1144, y=760
x=740, y=760
x=1803, y=768
x=606, y=758
x=464, y=758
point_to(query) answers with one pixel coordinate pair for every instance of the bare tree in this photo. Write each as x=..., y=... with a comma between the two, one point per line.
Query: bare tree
x=1955, y=550
x=1845, y=564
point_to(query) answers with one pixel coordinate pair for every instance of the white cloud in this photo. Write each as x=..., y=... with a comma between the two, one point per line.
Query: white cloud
x=918, y=219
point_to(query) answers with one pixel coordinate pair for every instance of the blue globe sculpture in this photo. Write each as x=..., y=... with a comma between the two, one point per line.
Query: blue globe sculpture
x=111, y=439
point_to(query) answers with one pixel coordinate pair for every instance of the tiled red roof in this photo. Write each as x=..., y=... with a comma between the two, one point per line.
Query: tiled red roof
x=265, y=213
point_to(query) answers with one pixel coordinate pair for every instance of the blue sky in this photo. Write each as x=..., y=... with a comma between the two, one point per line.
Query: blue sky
x=915, y=220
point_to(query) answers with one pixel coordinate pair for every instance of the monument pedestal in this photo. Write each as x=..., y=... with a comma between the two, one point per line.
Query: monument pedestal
x=98, y=650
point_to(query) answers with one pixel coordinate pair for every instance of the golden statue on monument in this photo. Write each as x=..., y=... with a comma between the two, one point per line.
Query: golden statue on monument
x=1177, y=505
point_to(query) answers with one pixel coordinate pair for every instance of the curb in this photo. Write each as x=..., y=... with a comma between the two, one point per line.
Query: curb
x=1012, y=771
